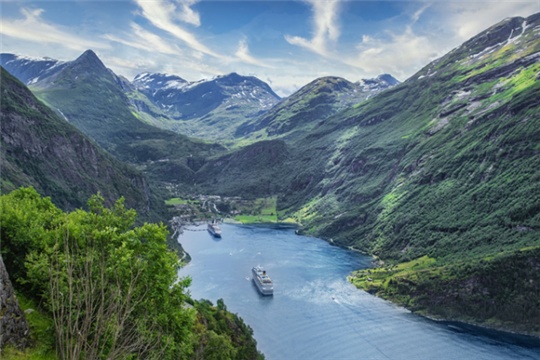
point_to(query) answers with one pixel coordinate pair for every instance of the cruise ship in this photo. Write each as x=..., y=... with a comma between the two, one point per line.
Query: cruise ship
x=214, y=229
x=263, y=281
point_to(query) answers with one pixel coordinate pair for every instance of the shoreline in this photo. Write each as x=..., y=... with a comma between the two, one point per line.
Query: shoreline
x=535, y=336
x=501, y=329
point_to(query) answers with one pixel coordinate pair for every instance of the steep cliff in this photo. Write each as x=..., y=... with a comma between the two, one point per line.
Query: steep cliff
x=42, y=150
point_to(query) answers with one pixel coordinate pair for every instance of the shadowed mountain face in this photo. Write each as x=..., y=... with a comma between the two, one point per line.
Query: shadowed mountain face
x=91, y=97
x=30, y=70
x=42, y=150
x=300, y=112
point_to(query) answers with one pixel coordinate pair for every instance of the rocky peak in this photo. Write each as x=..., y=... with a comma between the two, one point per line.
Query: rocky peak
x=30, y=70
x=156, y=81
x=388, y=79
x=328, y=84
x=89, y=62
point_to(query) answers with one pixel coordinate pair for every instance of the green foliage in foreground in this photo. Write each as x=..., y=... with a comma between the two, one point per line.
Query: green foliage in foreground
x=107, y=289
x=220, y=334
x=500, y=292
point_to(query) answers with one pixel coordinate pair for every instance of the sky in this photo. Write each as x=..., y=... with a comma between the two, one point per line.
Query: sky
x=284, y=43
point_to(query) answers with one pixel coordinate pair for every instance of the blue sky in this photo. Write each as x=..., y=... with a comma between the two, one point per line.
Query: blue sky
x=285, y=43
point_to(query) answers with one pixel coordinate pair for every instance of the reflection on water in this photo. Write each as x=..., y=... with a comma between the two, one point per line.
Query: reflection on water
x=315, y=313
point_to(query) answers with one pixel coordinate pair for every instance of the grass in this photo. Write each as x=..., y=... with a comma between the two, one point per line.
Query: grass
x=176, y=201
x=373, y=280
x=253, y=219
x=41, y=334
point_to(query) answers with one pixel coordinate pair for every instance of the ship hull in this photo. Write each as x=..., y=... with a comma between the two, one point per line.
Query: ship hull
x=214, y=233
x=264, y=289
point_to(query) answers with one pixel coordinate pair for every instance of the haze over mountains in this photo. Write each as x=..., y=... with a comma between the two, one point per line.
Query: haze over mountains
x=444, y=165
x=213, y=109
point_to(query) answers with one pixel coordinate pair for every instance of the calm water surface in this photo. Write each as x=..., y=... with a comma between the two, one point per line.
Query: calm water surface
x=315, y=313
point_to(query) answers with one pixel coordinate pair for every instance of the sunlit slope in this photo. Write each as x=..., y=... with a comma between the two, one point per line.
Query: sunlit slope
x=445, y=164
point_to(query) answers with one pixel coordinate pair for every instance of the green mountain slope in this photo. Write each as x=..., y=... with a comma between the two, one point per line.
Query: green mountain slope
x=314, y=102
x=257, y=170
x=42, y=150
x=444, y=165
x=437, y=157
x=92, y=98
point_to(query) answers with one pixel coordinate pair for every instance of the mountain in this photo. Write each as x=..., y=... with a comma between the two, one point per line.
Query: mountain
x=42, y=150
x=445, y=167
x=257, y=170
x=438, y=177
x=151, y=83
x=447, y=141
x=210, y=109
x=91, y=97
x=29, y=70
x=314, y=102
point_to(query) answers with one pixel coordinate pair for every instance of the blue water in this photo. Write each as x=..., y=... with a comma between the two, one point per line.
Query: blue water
x=315, y=313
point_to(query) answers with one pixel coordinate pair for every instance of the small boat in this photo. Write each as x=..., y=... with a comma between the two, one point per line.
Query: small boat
x=263, y=281
x=214, y=229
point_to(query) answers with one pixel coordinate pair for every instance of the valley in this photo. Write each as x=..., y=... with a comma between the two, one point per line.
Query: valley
x=437, y=176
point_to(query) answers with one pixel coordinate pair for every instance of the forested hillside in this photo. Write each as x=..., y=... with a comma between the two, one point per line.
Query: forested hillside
x=444, y=165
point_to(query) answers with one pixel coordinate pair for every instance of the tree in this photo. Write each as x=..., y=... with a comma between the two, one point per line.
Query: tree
x=112, y=289
x=25, y=218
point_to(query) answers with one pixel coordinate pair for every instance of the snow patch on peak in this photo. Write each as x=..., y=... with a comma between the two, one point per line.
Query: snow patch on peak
x=140, y=76
x=175, y=84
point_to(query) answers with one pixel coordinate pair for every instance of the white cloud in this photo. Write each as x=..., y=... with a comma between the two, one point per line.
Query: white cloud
x=432, y=31
x=145, y=40
x=127, y=64
x=400, y=54
x=243, y=54
x=34, y=28
x=187, y=14
x=325, y=14
x=468, y=19
x=161, y=14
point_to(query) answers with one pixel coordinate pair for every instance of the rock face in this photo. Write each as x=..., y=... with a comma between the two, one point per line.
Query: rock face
x=13, y=324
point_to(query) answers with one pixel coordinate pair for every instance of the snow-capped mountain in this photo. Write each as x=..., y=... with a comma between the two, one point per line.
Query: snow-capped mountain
x=187, y=100
x=378, y=84
x=209, y=108
x=30, y=70
x=148, y=83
